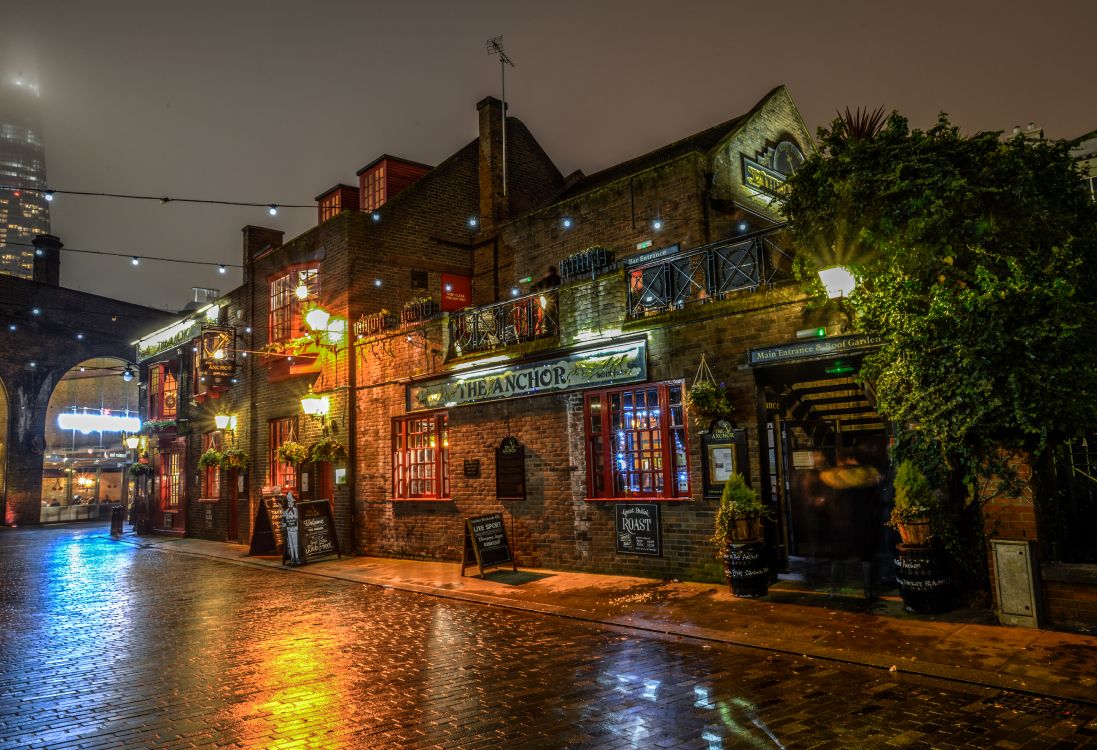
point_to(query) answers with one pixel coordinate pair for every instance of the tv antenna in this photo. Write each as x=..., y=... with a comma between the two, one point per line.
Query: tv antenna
x=495, y=47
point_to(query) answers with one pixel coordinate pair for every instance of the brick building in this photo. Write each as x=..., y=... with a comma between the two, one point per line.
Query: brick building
x=464, y=378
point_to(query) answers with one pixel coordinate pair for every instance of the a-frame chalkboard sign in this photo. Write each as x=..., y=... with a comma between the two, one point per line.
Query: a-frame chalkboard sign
x=316, y=532
x=486, y=543
x=266, y=535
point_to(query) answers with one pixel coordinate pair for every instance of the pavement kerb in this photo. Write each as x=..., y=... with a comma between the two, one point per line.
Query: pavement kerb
x=663, y=629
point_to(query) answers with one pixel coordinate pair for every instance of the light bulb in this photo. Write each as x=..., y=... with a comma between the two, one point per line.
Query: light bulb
x=473, y=222
x=135, y=260
x=273, y=210
x=657, y=224
x=221, y=269
x=49, y=195
x=566, y=222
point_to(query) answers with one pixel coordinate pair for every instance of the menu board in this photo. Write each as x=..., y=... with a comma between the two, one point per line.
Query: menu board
x=317, y=530
x=266, y=535
x=510, y=470
x=638, y=529
x=486, y=543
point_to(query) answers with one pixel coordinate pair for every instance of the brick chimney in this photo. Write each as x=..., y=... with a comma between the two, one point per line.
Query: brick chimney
x=47, y=259
x=494, y=206
x=257, y=239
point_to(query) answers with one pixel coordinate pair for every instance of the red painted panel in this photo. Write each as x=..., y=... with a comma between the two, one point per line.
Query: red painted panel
x=456, y=292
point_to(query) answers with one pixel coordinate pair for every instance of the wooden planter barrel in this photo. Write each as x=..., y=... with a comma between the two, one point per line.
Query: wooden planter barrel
x=745, y=567
x=915, y=533
x=924, y=581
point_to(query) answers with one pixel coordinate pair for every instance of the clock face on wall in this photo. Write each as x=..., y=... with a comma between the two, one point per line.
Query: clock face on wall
x=787, y=158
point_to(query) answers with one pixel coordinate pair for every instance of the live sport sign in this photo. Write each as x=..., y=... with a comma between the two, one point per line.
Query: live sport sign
x=623, y=363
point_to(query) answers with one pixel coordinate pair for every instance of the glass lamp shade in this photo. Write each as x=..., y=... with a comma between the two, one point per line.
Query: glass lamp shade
x=317, y=319
x=315, y=406
x=838, y=281
x=222, y=421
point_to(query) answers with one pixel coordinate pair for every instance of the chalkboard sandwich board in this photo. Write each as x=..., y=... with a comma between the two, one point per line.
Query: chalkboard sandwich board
x=486, y=543
x=316, y=533
x=266, y=537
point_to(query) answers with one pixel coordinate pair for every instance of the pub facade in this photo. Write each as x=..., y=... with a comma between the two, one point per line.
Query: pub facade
x=477, y=338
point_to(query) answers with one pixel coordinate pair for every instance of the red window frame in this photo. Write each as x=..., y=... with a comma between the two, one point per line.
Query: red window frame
x=211, y=484
x=170, y=471
x=420, y=456
x=637, y=446
x=163, y=392
x=281, y=430
x=330, y=206
x=284, y=320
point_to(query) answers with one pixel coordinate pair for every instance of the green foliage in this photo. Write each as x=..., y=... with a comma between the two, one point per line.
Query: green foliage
x=211, y=457
x=975, y=257
x=293, y=453
x=328, y=450
x=157, y=425
x=710, y=400
x=139, y=470
x=234, y=458
x=915, y=499
x=738, y=501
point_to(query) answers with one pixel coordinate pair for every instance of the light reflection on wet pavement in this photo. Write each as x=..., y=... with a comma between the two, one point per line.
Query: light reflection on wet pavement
x=108, y=645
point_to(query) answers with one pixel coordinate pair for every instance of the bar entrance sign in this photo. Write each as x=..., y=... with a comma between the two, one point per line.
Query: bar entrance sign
x=316, y=533
x=267, y=535
x=486, y=543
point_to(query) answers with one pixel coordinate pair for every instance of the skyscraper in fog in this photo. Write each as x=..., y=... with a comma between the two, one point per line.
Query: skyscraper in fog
x=24, y=212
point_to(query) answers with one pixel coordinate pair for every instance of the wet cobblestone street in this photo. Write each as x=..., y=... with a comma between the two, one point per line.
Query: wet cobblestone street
x=105, y=644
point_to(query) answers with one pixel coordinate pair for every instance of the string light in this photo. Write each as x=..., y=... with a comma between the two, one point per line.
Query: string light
x=221, y=268
x=132, y=257
x=135, y=260
x=273, y=209
x=48, y=194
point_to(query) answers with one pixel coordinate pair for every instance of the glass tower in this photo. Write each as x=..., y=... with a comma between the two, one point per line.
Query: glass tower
x=24, y=211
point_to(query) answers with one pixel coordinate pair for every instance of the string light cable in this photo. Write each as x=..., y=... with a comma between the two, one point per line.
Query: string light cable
x=49, y=193
x=139, y=257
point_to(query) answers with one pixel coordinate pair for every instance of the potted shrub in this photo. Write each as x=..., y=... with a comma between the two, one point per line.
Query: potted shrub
x=293, y=453
x=328, y=450
x=739, y=517
x=234, y=459
x=738, y=538
x=915, y=504
x=211, y=457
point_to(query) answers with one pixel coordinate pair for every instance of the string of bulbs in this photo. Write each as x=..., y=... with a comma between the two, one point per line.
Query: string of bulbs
x=136, y=259
x=49, y=193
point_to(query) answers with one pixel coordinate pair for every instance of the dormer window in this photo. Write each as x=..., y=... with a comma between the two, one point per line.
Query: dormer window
x=291, y=294
x=373, y=188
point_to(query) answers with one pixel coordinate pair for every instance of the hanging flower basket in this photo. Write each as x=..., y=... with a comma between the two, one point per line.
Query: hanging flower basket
x=328, y=450
x=234, y=459
x=141, y=470
x=293, y=453
x=158, y=425
x=707, y=397
x=212, y=457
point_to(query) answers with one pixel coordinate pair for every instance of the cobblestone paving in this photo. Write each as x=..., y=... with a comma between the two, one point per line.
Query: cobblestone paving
x=107, y=645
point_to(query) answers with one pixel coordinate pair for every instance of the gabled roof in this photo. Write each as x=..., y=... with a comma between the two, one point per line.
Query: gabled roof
x=702, y=142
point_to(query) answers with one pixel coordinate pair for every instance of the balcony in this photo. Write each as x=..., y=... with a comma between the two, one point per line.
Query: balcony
x=706, y=273
x=533, y=316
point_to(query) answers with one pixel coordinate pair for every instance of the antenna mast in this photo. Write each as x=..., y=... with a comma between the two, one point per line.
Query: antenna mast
x=495, y=47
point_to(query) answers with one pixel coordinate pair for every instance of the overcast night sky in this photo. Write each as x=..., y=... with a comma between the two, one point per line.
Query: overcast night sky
x=274, y=102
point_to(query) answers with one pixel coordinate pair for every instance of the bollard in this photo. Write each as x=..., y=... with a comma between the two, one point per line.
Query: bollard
x=116, y=520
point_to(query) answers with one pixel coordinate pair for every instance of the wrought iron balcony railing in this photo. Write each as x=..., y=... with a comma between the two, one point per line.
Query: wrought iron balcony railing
x=521, y=319
x=705, y=274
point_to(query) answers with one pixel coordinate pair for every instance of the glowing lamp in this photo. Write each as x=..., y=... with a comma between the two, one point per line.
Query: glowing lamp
x=838, y=281
x=132, y=442
x=315, y=406
x=301, y=291
x=222, y=421
x=318, y=318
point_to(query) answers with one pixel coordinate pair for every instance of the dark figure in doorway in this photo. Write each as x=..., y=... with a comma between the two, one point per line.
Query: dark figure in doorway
x=814, y=518
x=550, y=280
x=853, y=532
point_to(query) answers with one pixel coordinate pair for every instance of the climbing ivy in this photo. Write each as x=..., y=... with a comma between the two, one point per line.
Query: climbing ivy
x=976, y=258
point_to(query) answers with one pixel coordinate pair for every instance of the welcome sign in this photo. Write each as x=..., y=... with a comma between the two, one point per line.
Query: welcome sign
x=624, y=363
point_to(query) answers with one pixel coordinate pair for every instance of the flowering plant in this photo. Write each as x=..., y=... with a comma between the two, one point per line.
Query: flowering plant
x=328, y=450
x=709, y=399
x=291, y=452
x=211, y=457
x=234, y=458
x=141, y=470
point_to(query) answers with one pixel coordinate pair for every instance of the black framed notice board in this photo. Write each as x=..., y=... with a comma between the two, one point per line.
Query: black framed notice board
x=486, y=543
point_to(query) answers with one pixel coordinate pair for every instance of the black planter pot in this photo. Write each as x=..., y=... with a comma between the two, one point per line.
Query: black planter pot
x=746, y=569
x=924, y=582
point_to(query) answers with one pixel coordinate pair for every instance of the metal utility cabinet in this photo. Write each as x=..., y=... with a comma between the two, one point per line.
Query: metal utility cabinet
x=1018, y=582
